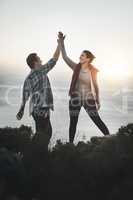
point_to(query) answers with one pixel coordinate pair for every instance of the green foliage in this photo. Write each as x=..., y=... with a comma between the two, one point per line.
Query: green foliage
x=98, y=169
x=15, y=139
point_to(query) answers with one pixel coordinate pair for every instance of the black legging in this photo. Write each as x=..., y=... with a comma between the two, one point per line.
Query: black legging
x=89, y=105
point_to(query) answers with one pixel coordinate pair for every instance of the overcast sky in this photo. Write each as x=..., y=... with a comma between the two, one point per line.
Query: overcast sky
x=105, y=27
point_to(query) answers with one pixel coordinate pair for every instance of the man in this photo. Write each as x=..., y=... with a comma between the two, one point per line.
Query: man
x=37, y=87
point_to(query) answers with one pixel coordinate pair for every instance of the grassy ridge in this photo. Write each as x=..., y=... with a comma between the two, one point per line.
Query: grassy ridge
x=102, y=168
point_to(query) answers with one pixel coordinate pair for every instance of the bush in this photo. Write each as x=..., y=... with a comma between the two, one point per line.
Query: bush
x=98, y=169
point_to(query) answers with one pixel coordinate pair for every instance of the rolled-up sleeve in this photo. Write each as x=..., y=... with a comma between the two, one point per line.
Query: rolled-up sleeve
x=49, y=65
x=26, y=92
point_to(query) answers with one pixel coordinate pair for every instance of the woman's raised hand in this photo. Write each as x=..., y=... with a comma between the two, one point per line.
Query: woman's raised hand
x=61, y=37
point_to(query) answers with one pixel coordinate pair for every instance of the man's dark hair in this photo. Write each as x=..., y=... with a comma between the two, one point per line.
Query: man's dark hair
x=89, y=55
x=31, y=59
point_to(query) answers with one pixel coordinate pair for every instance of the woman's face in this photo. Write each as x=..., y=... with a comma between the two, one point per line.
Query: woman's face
x=83, y=58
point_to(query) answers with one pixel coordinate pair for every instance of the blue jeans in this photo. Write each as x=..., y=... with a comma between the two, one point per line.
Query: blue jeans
x=42, y=124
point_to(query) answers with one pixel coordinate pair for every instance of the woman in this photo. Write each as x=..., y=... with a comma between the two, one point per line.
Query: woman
x=83, y=91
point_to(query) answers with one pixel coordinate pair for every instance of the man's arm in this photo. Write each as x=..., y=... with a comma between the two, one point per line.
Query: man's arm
x=57, y=53
x=52, y=62
x=25, y=97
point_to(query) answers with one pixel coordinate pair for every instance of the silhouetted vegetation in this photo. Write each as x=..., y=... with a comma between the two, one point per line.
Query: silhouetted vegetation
x=102, y=168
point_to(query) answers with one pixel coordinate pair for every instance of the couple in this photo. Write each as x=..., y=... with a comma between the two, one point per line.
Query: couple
x=83, y=91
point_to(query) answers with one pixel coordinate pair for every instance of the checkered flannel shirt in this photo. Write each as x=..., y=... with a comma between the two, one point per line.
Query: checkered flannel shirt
x=37, y=87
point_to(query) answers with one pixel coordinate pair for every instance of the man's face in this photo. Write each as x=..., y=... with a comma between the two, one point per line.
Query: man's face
x=39, y=61
x=83, y=58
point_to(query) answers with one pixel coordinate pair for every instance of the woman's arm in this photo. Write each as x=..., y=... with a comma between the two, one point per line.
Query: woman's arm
x=96, y=86
x=68, y=61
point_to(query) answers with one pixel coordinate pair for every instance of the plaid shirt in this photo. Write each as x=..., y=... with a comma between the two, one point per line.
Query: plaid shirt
x=37, y=87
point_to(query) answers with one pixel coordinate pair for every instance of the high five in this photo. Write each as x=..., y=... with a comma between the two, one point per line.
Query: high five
x=84, y=91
